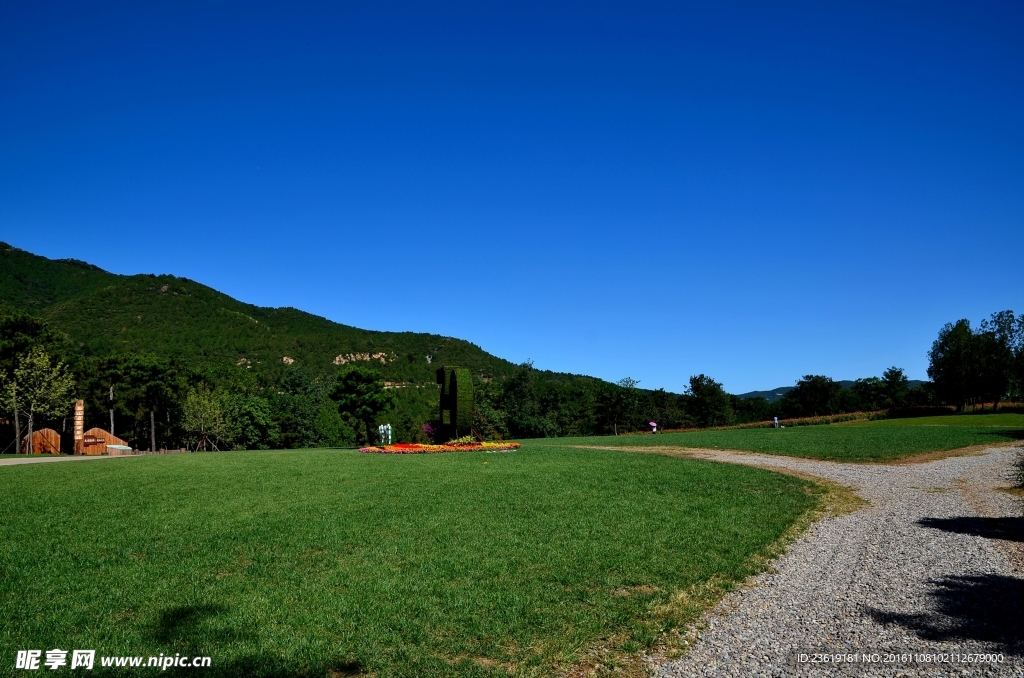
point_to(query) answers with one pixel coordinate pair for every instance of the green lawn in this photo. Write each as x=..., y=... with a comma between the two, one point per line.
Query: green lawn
x=885, y=440
x=294, y=563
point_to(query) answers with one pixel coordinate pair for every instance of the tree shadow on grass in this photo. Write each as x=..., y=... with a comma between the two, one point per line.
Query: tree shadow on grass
x=254, y=666
x=267, y=666
x=182, y=624
x=1009, y=528
x=983, y=608
x=193, y=630
x=1011, y=433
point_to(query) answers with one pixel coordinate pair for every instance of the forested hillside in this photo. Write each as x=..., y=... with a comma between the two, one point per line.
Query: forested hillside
x=105, y=314
x=109, y=324
x=184, y=364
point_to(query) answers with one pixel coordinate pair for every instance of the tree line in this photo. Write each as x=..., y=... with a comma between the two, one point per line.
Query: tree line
x=971, y=366
x=968, y=367
x=155, y=402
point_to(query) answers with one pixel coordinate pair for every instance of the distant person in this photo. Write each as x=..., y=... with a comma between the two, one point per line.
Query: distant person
x=776, y=422
x=654, y=427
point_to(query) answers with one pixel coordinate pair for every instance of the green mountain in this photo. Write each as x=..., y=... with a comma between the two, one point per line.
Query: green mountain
x=776, y=394
x=105, y=313
x=275, y=366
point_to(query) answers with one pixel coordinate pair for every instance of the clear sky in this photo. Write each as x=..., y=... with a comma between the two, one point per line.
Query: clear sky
x=755, y=191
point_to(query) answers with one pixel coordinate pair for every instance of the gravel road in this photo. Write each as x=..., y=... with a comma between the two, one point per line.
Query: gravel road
x=935, y=564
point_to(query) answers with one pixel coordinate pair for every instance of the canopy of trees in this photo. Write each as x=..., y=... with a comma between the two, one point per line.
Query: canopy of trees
x=968, y=366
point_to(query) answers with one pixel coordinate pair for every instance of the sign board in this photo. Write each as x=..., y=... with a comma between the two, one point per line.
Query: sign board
x=79, y=419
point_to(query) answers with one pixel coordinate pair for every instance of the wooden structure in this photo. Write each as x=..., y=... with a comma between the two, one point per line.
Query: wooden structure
x=79, y=424
x=44, y=441
x=95, y=441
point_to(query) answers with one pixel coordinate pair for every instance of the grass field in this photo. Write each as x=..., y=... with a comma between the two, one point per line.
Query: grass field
x=874, y=441
x=302, y=562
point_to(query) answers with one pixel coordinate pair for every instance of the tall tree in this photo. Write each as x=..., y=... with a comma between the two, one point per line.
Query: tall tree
x=360, y=394
x=144, y=386
x=617, y=403
x=529, y=413
x=249, y=423
x=895, y=387
x=19, y=334
x=39, y=386
x=630, y=398
x=998, y=345
x=991, y=366
x=869, y=393
x=951, y=363
x=709, y=403
x=813, y=395
x=203, y=417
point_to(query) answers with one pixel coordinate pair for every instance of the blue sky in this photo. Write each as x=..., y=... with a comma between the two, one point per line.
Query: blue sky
x=754, y=191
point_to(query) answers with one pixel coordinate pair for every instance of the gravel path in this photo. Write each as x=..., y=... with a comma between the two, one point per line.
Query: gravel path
x=934, y=564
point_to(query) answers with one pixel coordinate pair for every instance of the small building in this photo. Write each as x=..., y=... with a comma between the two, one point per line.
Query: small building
x=44, y=441
x=95, y=442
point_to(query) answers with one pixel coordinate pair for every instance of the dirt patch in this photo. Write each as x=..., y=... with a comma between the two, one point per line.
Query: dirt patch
x=348, y=670
x=482, y=662
x=703, y=452
x=932, y=490
x=632, y=590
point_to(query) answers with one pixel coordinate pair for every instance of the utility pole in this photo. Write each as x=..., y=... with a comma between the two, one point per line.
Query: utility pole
x=112, y=410
x=152, y=431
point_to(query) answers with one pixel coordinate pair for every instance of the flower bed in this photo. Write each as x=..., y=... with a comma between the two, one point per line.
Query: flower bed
x=413, y=448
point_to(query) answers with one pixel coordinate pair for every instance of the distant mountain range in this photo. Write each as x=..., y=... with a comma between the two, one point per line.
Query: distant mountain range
x=771, y=396
x=777, y=393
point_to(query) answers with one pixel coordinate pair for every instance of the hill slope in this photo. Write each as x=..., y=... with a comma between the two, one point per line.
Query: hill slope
x=105, y=313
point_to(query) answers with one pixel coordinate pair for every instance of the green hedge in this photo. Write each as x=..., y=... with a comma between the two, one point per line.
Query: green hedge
x=456, y=406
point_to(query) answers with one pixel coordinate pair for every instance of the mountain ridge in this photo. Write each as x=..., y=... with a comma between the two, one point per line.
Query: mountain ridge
x=105, y=313
x=776, y=394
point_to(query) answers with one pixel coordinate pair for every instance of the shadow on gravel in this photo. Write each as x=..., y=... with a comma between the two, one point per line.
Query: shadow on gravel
x=1010, y=528
x=984, y=608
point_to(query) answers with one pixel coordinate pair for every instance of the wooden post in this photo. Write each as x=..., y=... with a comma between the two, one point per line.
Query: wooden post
x=79, y=425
